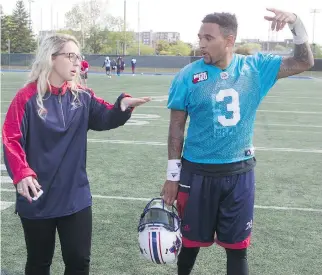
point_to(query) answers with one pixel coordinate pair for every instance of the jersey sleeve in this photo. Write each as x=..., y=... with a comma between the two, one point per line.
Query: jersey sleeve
x=178, y=93
x=268, y=66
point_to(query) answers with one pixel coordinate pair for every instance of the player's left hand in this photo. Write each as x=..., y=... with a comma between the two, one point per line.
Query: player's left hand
x=280, y=19
x=128, y=102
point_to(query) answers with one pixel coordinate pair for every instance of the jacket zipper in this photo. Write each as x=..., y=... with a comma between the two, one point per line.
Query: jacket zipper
x=61, y=106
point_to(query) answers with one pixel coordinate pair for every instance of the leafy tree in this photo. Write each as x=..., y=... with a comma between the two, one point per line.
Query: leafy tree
x=144, y=50
x=15, y=28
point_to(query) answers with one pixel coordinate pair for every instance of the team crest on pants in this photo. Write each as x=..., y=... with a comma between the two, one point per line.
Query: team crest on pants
x=199, y=77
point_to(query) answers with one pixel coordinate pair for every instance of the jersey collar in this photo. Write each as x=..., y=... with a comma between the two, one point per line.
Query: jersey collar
x=59, y=90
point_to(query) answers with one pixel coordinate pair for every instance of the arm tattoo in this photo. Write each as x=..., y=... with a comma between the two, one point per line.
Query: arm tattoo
x=176, y=134
x=301, y=61
x=301, y=53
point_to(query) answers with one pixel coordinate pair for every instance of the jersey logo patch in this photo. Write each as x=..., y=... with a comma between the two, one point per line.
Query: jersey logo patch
x=249, y=152
x=199, y=77
x=224, y=75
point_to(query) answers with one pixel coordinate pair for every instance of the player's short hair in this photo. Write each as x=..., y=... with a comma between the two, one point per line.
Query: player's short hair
x=227, y=22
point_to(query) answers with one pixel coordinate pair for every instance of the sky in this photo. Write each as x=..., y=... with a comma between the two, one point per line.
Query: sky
x=184, y=16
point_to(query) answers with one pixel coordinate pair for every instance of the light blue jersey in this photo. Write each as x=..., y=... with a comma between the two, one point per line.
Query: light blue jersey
x=222, y=106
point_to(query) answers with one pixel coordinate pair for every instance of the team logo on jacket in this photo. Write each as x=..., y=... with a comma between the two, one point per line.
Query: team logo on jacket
x=199, y=77
x=224, y=75
x=76, y=104
x=42, y=113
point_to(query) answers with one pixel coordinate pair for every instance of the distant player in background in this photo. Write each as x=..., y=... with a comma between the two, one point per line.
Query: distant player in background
x=122, y=65
x=133, y=64
x=84, y=71
x=118, y=66
x=107, y=65
x=113, y=65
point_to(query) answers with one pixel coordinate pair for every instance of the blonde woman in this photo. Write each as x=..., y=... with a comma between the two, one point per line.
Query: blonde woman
x=44, y=137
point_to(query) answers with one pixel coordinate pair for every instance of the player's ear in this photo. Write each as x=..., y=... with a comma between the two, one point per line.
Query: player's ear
x=230, y=39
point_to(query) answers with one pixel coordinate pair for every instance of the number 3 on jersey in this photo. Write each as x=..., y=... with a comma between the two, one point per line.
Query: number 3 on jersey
x=230, y=107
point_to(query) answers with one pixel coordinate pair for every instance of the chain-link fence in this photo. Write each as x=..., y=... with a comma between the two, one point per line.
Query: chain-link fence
x=149, y=64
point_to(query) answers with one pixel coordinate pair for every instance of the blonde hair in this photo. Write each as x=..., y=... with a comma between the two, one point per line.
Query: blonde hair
x=42, y=65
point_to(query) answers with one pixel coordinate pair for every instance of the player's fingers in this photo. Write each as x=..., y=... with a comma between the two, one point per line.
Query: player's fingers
x=269, y=18
x=26, y=192
x=173, y=194
x=278, y=17
x=282, y=25
x=168, y=196
x=36, y=183
x=33, y=188
x=273, y=25
x=278, y=25
x=271, y=9
x=162, y=191
x=20, y=188
x=146, y=98
x=282, y=21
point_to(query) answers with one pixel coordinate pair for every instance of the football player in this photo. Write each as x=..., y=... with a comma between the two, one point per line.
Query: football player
x=107, y=65
x=84, y=71
x=213, y=178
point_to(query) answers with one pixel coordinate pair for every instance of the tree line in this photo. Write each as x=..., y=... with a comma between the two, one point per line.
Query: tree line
x=98, y=33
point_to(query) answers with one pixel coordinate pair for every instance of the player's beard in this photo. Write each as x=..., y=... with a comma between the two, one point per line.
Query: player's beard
x=208, y=59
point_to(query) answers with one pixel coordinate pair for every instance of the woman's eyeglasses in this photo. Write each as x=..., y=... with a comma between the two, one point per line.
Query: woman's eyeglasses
x=73, y=57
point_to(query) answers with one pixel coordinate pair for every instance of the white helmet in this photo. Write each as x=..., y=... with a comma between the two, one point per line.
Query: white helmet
x=160, y=238
x=107, y=58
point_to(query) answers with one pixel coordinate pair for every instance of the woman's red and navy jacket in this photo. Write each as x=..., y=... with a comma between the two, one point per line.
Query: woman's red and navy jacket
x=51, y=146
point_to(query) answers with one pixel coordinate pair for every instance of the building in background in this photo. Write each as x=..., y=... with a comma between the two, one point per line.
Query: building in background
x=150, y=38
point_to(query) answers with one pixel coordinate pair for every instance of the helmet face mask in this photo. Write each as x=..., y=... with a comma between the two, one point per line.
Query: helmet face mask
x=158, y=213
x=160, y=238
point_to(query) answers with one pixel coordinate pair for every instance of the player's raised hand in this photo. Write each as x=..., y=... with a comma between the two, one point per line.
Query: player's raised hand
x=128, y=102
x=280, y=19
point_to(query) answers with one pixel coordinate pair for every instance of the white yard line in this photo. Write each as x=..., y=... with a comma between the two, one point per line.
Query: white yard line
x=148, y=199
x=5, y=204
x=155, y=143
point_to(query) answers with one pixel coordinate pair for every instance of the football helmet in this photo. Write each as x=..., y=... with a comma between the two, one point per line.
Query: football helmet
x=160, y=239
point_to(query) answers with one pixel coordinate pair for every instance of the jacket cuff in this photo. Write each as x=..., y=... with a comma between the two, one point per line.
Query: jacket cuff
x=23, y=173
x=118, y=103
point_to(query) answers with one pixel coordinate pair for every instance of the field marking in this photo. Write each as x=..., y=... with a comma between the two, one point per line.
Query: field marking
x=5, y=179
x=146, y=116
x=293, y=103
x=289, y=125
x=155, y=143
x=290, y=112
x=148, y=199
x=163, y=98
x=299, y=97
x=260, y=110
x=5, y=204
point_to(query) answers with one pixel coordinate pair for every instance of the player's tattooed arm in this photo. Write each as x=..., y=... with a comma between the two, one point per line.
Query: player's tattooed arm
x=301, y=61
x=176, y=133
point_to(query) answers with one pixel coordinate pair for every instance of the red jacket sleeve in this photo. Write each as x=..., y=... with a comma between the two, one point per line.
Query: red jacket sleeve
x=14, y=138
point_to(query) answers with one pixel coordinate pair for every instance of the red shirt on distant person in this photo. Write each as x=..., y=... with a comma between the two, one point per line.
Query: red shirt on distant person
x=84, y=66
